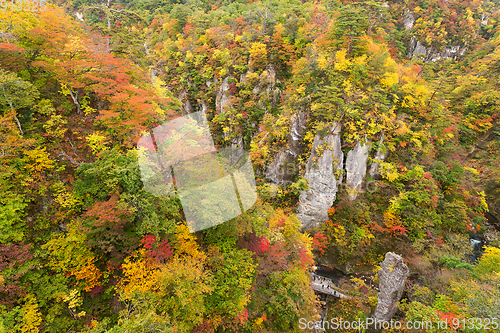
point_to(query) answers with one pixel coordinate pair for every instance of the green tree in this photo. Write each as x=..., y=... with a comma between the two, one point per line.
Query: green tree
x=489, y=262
x=350, y=27
x=16, y=93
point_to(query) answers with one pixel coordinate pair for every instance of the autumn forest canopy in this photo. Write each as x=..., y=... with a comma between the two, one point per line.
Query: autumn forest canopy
x=304, y=87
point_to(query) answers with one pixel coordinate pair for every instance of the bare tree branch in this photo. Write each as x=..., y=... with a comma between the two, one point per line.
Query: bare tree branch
x=63, y=154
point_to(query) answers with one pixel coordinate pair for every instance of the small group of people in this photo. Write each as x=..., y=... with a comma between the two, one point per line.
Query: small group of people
x=325, y=284
x=322, y=281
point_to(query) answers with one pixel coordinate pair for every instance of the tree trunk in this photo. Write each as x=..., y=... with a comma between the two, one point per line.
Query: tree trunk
x=109, y=26
x=63, y=154
x=74, y=97
x=13, y=111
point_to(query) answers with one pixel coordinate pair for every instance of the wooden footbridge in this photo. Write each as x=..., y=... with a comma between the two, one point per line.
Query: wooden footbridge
x=325, y=286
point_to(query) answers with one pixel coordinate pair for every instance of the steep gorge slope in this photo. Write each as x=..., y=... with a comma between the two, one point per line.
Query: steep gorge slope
x=352, y=135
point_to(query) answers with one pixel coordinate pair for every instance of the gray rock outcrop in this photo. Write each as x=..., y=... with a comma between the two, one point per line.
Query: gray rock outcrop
x=204, y=106
x=263, y=90
x=380, y=155
x=416, y=48
x=267, y=90
x=453, y=52
x=484, y=18
x=79, y=16
x=430, y=55
x=355, y=167
x=278, y=171
x=266, y=83
x=283, y=167
x=392, y=277
x=322, y=174
x=237, y=149
x=409, y=19
x=222, y=99
x=187, y=107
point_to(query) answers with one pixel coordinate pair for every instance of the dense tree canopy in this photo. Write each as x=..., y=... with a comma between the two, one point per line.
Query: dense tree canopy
x=84, y=247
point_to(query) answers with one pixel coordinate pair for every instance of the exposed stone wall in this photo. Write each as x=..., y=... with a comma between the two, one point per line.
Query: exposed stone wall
x=283, y=167
x=222, y=99
x=392, y=277
x=187, y=107
x=380, y=156
x=409, y=19
x=355, y=167
x=323, y=178
x=428, y=54
x=324, y=170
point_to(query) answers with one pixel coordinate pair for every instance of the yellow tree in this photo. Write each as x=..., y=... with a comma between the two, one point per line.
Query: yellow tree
x=32, y=319
x=176, y=288
x=69, y=254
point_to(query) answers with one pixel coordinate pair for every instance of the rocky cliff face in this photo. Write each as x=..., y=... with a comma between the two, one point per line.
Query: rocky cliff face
x=284, y=167
x=355, y=167
x=266, y=86
x=326, y=165
x=222, y=99
x=409, y=19
x=429, y=54
x=322, y=173
x=392, y=277
x=380, y=155
x=264, y=89
x=187, y=107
